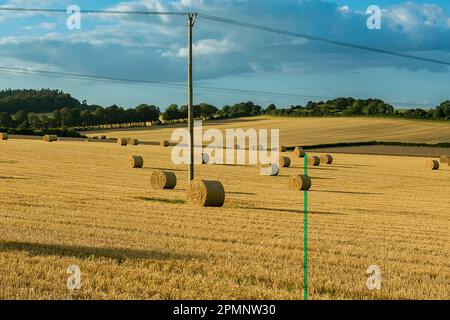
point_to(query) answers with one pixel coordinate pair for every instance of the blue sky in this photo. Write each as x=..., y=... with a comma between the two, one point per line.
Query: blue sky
x=153, y=48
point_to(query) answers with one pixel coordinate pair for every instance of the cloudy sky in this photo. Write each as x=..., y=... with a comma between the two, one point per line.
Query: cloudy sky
x=153, y=48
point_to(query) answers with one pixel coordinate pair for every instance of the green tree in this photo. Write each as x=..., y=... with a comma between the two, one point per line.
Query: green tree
x=34, y=120
x=172, y=113
x=207, y=111
x=270, y=109
x=148, y=113
x=20, y=117
x=5, y=120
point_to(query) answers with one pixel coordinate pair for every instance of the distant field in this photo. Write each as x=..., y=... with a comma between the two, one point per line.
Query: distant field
x=309, y=131
x=78, y=203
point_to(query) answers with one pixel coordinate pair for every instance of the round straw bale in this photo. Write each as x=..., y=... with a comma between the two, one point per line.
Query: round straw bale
x=205, y=158
x=285, y=162
x=269, y=169
x=163, y=180
x=136, y=161
x=299, y=152
x=50, y=138
x=122, y=141
x=164, y=143
x=133, y=141
x=444, y=159
x=3, y=136
x=432, y=164
x=206, y=193
x=326, y=159
x=313, y=161
x=299, y=182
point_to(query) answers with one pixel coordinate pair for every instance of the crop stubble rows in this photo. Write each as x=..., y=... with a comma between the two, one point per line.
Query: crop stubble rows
x=79, y=203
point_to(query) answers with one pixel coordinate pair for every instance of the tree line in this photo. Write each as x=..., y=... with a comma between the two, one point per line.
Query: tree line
x=359, y=107
x=39, y=101
x=45, y=109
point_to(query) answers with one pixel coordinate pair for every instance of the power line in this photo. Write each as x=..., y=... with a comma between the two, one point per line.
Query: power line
x=246, y=25
x=319, y=39
x=87, y=77
x=42, y=10
x=203, y=88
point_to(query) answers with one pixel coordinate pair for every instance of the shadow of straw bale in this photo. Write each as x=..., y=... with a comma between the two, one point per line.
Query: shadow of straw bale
x=321, y=178
x=340, y=166
x=243, y=193
x=350, y=165
x=232, y=165
x=161, y=200
x=164, y=169
x=315, y=168
x=291, y=210
x=313, y=178
x=81, y=252
x=348, y=192
x=149, y=143
x=13, y=178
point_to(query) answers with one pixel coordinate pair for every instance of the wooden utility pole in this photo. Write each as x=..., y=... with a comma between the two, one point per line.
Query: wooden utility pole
x=191, y=21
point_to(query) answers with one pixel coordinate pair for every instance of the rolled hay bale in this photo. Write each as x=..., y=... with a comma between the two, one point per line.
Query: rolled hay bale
x=299, y=152
x=136, y=161
x=313, y=161
x=164, y=143
x=269, y=169
x=299, y=182
x=3, y=136
x=122, y=141
x=163, y=180
x=326, y=159
x=205, y=193
x=133, y=141
x=432, y=164
x=444, y=159
x=205, y=158
x=50, y=138
x=285, y=162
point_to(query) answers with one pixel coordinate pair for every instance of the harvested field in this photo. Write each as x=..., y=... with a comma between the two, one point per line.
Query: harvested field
x=387, y=150
x=76, y=203
x=311, y=131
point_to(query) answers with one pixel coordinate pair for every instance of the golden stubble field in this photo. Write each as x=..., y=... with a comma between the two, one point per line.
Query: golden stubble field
x=310, y=131
x=78, y=203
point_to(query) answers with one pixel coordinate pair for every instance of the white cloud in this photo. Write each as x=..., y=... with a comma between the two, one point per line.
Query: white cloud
x=42, y=26
x=345, y=9
x=158, y=46
x=205, y=47
x=410, y=16
x=8, y=15
x=183, y=4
